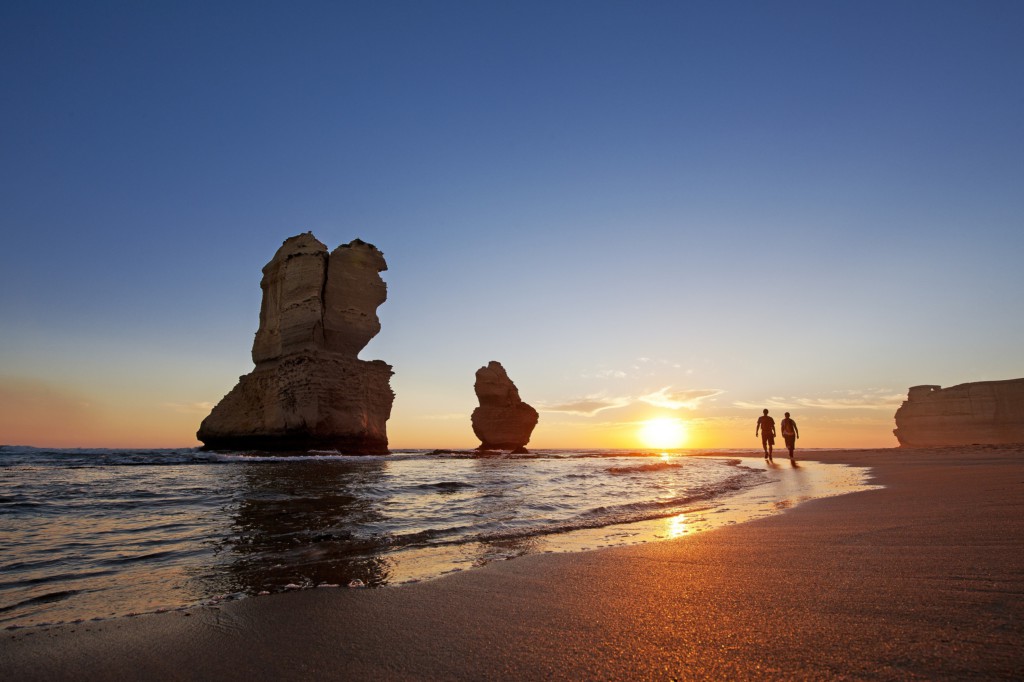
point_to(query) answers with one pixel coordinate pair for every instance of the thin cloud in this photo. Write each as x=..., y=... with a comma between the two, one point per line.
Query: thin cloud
x=588, y=406
x=675, y=400
x=644, y=366
x=611, y=374
x=653, y=366
x=189, y=408
x=658, y=361
x=586, y=427
x=746, y=405
x=862, y=403
x=850, y=400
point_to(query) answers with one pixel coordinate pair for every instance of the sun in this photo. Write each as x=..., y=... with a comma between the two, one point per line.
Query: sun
x=663, y=432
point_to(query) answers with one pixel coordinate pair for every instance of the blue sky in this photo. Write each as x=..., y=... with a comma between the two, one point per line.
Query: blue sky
x=685, y=210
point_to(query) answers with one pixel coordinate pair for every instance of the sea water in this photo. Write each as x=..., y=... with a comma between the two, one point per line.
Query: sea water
x=90, y=534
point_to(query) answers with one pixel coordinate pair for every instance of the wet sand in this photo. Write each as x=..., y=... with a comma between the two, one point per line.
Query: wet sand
x=922, y=579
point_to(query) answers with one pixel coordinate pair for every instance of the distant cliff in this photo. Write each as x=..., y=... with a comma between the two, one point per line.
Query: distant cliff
x=309, y=389
x=983, y=412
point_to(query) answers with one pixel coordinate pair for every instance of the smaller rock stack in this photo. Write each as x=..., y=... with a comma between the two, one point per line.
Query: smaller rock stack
x=503, y=421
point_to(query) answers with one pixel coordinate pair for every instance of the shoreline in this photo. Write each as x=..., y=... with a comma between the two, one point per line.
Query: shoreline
x=921, y=578
x=789, y=484
x=740, y=498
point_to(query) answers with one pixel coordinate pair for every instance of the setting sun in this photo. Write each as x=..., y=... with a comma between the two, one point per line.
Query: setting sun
x=663, y=432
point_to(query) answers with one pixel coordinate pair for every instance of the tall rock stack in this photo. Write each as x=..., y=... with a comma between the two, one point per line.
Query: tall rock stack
x=309, y=389
x=982, y=412
x=503, y=421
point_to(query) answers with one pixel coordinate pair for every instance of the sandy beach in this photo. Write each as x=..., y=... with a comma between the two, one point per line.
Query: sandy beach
x=921, y=579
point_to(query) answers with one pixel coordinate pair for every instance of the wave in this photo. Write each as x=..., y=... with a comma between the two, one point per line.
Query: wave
x=446, y=486
x=48, y=598
x=24, y=455
x=596, y=517
x=642, y=468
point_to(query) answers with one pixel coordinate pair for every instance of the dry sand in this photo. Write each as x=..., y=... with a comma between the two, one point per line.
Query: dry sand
x=923, y=579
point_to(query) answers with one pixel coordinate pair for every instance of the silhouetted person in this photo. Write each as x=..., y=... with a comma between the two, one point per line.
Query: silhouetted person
x=766, y=425
x=789, y=433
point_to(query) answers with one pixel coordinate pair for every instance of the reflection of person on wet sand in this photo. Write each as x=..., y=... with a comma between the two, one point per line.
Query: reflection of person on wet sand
x=789, y=433
x=766, y=425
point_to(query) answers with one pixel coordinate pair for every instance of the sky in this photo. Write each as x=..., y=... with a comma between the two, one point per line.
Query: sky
x=688, y=211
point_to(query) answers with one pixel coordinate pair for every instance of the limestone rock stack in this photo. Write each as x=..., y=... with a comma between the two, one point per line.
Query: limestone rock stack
x=292, y=311
x=309, y=388
x=983, y=412
x=503, y=421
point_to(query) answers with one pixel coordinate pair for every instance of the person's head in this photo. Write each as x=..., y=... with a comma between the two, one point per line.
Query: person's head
x=787, y=415
x=766, y=412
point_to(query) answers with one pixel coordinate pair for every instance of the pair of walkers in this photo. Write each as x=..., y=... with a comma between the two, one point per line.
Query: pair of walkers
x=766, y=425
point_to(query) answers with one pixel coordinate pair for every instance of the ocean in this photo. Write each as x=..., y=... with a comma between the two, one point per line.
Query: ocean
x=96, y=534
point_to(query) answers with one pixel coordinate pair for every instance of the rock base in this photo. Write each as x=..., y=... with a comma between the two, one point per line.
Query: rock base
x=310, y=400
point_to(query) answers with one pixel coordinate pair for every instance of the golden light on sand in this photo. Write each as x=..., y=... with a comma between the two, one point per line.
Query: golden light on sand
x=677, y=526
x=663, y=432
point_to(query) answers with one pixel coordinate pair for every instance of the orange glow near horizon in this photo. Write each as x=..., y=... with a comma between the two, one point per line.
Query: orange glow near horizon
x=663, y=432
x=49, y=414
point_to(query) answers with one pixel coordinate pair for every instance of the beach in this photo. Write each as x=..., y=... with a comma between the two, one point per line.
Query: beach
x=920, y=579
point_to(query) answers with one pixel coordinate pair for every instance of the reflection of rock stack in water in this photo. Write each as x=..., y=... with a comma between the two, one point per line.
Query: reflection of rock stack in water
x=503, y=421
x=309, y=388
x=298, y=525
x=982, y=412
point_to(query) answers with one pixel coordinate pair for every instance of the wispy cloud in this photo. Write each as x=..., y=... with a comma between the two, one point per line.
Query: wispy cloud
x=664, y=398
x=608, y=374
x=651, y=366
x=858, y=403
x=642, y=366
x=878, y=399
x=190, y=408
x=675, y=400
x=587, y=406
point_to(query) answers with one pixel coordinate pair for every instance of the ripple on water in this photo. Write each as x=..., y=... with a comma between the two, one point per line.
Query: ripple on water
x=101, y=533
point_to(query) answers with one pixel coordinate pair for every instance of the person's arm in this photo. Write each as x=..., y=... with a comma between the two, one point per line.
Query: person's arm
x=758, y=427
x=796, y=430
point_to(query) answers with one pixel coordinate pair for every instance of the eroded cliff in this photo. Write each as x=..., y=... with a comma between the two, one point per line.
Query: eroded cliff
x=983, y=412
x=309, y=389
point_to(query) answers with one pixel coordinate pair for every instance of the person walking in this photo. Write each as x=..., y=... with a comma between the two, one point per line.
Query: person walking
x=766, y=425
x=789, y=433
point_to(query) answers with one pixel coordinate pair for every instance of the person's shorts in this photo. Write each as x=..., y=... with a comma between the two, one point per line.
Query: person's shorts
x=768, y=438
x=790, y=441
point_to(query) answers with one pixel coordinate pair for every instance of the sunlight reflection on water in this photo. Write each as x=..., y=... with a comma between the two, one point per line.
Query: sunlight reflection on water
x=90, y=538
